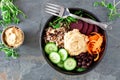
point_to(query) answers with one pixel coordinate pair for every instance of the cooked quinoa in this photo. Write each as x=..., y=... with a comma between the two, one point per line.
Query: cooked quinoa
x=55, y=35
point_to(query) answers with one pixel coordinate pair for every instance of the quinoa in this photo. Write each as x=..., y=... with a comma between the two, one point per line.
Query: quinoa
x=55, y=35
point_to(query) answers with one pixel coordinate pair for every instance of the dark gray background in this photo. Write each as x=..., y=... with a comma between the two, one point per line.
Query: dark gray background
x=32, y=66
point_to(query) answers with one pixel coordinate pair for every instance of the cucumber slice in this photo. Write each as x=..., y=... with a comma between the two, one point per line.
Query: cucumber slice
x=50, y=47
x=54, y=57
x=60, y=64
x=63, y=54
x=70, y=64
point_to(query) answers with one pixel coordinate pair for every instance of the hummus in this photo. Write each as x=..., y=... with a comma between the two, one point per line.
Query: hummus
x=75, y=42
x=13, y=37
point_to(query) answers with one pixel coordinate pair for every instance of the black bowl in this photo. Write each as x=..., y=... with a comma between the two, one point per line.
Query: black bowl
x=87, y=14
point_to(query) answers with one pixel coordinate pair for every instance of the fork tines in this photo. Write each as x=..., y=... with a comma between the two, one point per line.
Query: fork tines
x=53, y=9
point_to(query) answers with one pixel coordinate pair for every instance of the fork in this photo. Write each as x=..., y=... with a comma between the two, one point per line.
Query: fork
x=63, y=12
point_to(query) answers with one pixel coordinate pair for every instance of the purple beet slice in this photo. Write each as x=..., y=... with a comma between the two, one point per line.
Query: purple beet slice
x=96, y=28
x=85, y=28
x=76, y=25
x=90, y=29
x=73, y=25
x=80, y=25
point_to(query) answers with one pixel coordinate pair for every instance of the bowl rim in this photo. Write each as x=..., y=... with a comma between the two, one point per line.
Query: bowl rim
x=67, y=72
x=3, y=32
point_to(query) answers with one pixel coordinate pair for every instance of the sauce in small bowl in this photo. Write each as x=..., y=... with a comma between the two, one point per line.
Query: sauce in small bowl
x=12, y=36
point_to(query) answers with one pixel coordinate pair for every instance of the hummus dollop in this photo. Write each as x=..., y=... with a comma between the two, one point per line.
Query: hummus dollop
x=13, y=37
x=75, y=42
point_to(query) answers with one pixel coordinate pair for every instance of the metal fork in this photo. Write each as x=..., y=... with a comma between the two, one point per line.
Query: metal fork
x=63, y=12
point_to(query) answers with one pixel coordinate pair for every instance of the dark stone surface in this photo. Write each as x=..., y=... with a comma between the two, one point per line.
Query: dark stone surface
x=32, y=66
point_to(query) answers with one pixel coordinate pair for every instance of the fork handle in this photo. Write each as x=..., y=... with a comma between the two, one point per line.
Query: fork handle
x=102, y=25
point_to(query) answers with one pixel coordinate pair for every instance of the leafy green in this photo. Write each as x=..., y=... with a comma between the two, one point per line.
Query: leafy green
x=112, y=7
x=8, y=51
x=57, y=25
x=91, y=17
x=80, y=69
x=57, y=22
x=79, y=13
x=9, y=12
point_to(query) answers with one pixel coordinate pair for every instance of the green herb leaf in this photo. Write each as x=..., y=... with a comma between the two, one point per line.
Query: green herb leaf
x=78, y=12
x=15, y=55
x=80, y=69
x=96, y=4
x=8, y=54
x=57, y=25
x=91, y=17
x=9, y=12
x=110, y=6
x=8, y=51
x=103, y=4
x=72, y=19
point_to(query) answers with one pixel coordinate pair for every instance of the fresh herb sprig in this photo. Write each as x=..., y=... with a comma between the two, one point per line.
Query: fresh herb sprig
x=112, y=7
x=8, y=51
x=80, y=69
x=9, y=12
x=57, y=23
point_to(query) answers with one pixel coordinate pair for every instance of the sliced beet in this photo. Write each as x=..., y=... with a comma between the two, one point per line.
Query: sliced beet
x=80, y=26
x=73, y=25
x=90, y=29
x=96, y=28
x=76, y=25
x=85, y=27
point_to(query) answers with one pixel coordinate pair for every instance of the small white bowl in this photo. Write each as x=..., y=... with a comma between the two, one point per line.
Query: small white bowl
x=12, y=36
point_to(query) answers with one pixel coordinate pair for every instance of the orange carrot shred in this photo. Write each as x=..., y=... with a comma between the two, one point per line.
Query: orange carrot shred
x=97, y=57
x=94, y=44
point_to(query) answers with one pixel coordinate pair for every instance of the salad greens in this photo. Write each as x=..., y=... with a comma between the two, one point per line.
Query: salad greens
x=112, y=7
x=9, y=12
x=80, y=13
x=80, y=69
x=8, y=51
x=56, y=23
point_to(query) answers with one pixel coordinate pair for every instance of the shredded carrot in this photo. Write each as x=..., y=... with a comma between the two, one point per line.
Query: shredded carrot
x=94, y=44
x=96, y=57
x=95, y=37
